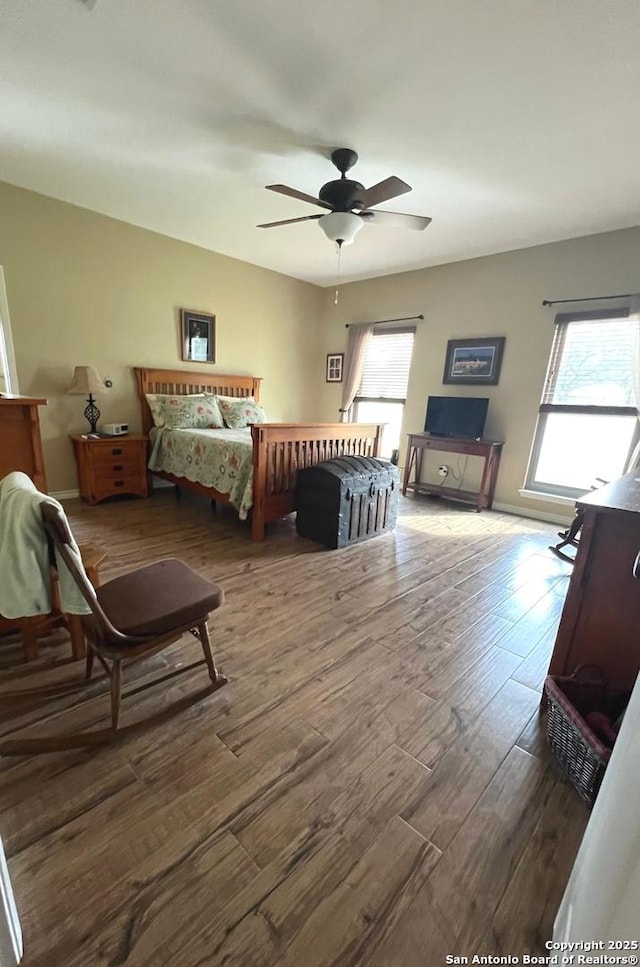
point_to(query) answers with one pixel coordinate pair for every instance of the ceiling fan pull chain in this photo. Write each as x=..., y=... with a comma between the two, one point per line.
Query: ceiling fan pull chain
x=339, y=244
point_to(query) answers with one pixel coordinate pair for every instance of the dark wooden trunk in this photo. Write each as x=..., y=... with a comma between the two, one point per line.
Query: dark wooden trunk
x=347, y=500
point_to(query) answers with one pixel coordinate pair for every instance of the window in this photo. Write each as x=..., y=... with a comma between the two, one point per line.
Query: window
x=587, y=423
x=383, y=389
x=7, y=384
x=5, y=378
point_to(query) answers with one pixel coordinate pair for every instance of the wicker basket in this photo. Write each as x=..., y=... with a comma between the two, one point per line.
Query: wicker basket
x=581, y=754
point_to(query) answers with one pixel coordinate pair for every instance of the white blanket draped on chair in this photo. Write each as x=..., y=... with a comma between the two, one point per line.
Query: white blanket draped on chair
x=25, y=572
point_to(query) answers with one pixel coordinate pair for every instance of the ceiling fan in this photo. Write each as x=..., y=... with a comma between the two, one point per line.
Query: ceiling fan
x=349, y=204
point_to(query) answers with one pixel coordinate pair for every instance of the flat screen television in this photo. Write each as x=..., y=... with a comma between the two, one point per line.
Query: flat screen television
x=456, y=416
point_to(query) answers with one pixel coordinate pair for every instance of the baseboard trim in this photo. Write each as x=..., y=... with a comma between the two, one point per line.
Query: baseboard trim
x=533, y=514
x=74, y=494
x=66, y=494
x=497, y=505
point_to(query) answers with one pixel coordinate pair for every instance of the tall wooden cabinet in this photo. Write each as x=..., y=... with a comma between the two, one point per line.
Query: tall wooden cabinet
x=20, y=443
x=600, y=623
x=20, y=449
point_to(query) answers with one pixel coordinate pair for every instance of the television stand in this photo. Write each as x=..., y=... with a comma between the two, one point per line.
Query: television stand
x=490, y=450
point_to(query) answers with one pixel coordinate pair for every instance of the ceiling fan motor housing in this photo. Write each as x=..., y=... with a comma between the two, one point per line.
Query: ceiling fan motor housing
x=342, y=194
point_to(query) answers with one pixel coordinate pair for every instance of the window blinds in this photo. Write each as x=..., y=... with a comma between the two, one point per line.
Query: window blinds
x=591, y=361
x=387, y=362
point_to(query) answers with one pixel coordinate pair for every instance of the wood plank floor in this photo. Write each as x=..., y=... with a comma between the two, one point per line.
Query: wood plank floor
x=372, y=787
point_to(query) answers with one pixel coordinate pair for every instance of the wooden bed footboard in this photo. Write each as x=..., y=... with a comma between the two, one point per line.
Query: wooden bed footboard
x=281, y=449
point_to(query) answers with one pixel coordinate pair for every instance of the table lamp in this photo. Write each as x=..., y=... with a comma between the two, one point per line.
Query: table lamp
x=86, y=382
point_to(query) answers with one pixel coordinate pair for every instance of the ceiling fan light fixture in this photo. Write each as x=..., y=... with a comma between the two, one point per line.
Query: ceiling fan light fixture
x=341, y=227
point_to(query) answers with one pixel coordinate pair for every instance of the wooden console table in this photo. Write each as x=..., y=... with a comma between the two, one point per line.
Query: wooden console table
x=601, y=615
x=490, y=450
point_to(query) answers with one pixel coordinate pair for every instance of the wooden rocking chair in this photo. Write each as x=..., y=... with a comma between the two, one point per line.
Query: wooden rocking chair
x=571, y=536
x=132, y=616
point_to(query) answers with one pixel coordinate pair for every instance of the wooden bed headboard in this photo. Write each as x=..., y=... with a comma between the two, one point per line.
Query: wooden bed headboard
x=181, y=382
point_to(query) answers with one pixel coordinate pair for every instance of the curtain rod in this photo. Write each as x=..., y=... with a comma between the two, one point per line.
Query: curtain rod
x=594, y=298
x=380, y=322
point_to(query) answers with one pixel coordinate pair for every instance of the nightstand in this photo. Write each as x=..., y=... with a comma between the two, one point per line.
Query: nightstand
x=111, y=465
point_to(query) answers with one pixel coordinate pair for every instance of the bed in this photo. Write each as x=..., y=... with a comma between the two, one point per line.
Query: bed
x=276, y=450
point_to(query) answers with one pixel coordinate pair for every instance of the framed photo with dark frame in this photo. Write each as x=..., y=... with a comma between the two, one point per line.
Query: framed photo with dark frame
x=335, y=362
x=197, y=336
x=474, y=362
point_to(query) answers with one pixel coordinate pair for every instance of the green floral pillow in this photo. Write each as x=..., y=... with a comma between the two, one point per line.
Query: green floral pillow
x=238, y=413
x=156, y=406
x=196, y=411
x=189, y=411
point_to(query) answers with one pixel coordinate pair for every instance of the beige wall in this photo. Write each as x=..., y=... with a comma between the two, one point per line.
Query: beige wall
x=86, y=289
x=499, y=295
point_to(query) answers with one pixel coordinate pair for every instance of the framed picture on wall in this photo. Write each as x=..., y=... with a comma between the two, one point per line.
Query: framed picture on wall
x=335, y=363
x=197, y=336
x=474, y=362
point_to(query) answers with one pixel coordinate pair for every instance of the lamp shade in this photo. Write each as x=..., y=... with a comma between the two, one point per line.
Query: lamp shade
x=341, y=227
x=85, y=382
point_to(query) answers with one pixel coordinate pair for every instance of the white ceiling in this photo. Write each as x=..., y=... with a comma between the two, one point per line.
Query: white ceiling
x=516, y=121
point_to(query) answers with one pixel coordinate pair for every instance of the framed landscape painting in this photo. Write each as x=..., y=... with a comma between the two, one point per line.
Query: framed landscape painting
x=474, y=362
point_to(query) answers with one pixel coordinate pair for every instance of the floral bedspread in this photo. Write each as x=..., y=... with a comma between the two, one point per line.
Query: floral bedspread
x=222, y=459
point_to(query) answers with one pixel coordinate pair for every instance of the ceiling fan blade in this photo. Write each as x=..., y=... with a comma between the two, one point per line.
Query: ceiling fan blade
x=290, y=221
x=383, y=191
x=397, y=220
x=294, y=193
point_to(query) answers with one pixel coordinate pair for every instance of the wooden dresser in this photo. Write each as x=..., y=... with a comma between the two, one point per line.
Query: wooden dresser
x=600, y=623
x=20, y=443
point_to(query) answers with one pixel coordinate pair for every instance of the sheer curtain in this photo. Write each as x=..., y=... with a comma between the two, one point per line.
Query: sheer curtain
x=634, y=315
x=359, y=336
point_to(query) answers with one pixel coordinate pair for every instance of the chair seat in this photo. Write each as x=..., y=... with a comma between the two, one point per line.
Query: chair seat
x=157, y=598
